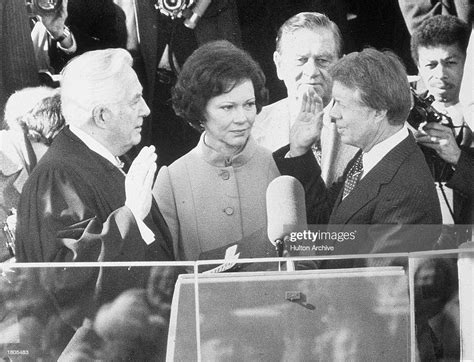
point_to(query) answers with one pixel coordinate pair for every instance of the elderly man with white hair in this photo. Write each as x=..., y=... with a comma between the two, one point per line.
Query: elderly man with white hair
x=78, y=205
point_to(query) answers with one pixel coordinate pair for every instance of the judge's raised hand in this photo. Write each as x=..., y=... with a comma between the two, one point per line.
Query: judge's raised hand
x=139, y=181
x=306, y=129
x=441, y=139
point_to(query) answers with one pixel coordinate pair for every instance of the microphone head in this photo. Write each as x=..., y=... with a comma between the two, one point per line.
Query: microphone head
x=286, y=208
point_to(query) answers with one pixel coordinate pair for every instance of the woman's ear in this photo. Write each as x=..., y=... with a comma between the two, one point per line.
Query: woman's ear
x=101, y=115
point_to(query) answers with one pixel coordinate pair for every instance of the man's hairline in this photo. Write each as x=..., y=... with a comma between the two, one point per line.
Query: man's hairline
x=313, y=30
x=438, y=45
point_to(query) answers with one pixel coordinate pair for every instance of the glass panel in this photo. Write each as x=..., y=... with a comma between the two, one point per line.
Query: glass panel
x=436, y=306
x=304, y=315
x=395, y=307
x=48, y=312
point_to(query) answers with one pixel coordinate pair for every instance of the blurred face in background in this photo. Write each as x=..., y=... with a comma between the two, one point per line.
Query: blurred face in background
x=304, y=61
x=441, y=69
x=229, y=118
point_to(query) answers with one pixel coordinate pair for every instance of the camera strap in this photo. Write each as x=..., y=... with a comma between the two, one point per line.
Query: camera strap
x=445, y=196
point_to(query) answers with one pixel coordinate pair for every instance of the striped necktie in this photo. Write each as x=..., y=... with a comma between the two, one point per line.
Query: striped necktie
x=353, y=176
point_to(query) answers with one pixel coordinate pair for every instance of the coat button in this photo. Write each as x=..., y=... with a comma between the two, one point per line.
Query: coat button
x=225, y=174
x=229, y=210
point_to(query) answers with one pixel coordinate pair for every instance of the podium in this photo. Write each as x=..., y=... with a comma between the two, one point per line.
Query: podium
x=318, y=315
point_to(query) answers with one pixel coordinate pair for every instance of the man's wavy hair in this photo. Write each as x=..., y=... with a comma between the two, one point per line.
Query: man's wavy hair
x=214, y=69
x=381, y=79
x=309, y=21
x=440, y=30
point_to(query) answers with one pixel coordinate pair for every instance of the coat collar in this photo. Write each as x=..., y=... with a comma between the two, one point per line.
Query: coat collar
x=216, y=159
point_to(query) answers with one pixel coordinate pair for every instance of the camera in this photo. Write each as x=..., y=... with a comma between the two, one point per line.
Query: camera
x=423, y=111
x=45, y=6
x=173, y=8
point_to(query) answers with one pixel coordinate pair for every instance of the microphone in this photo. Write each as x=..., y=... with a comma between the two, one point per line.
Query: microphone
x=197, y=12
x=286, y=210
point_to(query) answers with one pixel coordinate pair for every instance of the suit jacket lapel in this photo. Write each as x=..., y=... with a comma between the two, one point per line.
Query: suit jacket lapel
x=368, y=188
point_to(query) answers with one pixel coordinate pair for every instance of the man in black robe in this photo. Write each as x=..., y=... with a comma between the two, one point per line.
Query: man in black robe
x=78, y=205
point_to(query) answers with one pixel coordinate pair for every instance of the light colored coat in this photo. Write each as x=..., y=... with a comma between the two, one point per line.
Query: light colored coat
x=209, y=202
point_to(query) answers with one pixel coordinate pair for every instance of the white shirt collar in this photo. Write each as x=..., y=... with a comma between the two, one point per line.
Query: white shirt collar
x=96, y=146
x=374, y=156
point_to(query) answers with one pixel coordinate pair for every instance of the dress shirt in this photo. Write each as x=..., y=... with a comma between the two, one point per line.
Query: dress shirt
x=97, y=147
x=374, y=156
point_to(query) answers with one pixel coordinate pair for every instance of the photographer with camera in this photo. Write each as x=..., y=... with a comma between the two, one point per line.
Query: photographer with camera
x=67, y=28
x=439, y=47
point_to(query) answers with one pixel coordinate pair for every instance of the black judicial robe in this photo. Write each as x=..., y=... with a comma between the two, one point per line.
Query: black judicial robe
x=72, y=210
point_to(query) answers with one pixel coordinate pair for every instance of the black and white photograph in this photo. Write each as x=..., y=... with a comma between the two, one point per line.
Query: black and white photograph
x=236, y=180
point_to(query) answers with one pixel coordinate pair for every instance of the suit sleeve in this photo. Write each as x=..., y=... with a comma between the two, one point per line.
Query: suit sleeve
x=164, y=195
x=462, y=179
x=319, y=199
x=401, y=223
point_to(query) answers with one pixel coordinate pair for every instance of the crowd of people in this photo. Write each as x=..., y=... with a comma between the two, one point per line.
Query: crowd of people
x=137, y=138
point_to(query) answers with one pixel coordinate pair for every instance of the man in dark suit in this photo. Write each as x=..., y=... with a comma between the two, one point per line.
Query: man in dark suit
x=388, y=181
x=78, y=205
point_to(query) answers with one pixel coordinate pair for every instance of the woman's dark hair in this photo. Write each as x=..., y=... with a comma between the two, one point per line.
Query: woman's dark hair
x=213, y=69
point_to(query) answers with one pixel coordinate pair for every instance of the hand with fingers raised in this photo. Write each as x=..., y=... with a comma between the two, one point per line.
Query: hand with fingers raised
x=139, y=181
x=306, y=130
